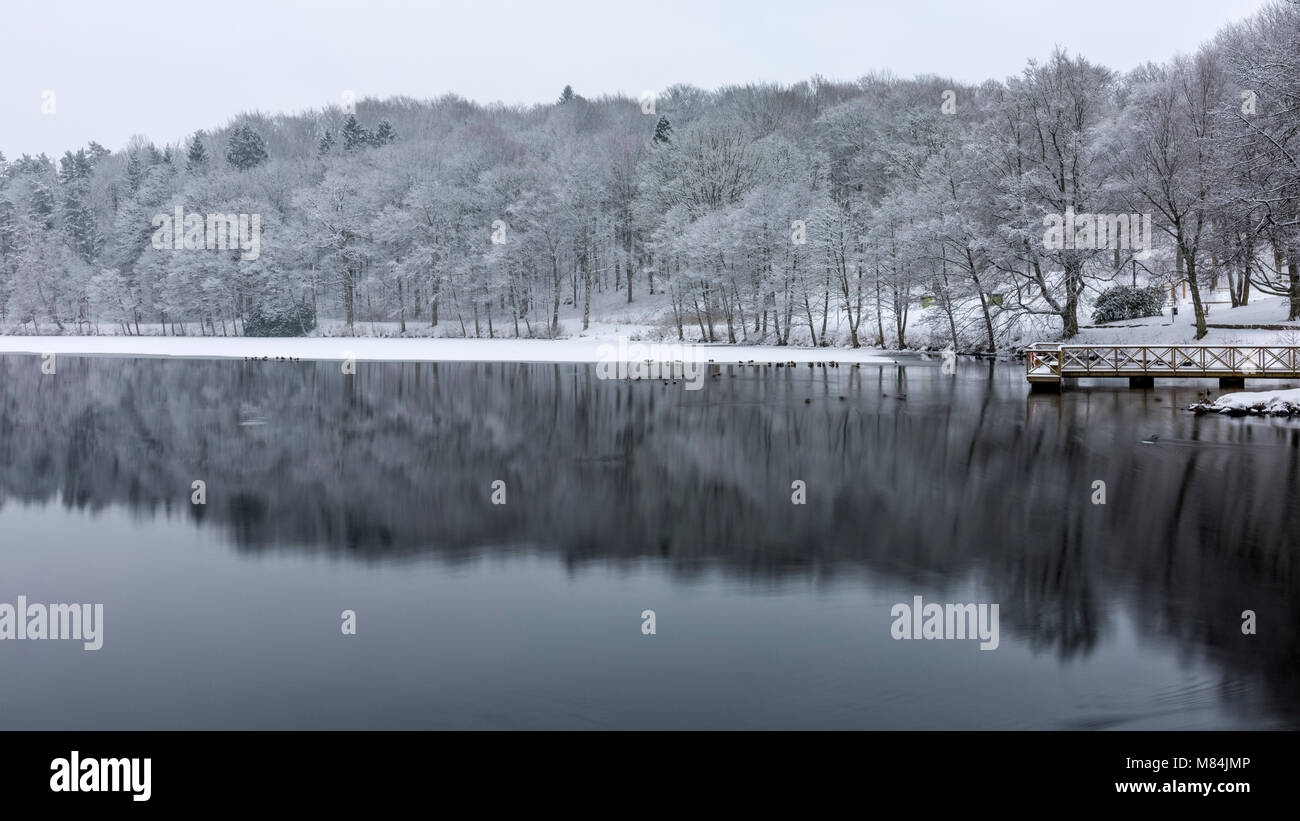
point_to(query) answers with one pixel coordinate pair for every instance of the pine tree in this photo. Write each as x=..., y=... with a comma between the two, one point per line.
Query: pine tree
x=74, y=167
x=566, y=96
x=326, y=143
x=41, y=205
x=8, y=228
x=384, y=133
x=663, y=131
x=196, y=159
x=27, y=164
x=134, y=171
x=354, y=134
x=246, y=149
x=79, y=222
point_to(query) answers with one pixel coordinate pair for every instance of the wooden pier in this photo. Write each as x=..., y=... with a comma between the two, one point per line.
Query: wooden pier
x=1050, y=365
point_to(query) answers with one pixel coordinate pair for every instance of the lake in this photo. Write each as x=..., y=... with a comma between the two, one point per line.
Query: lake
x=374, y=493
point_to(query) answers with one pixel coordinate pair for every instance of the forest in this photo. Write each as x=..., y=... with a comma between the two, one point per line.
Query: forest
x=819, y=213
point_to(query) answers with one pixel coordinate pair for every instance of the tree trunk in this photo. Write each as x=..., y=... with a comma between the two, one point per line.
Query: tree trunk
x=880, y=320
x=1198, y=308
x=348, y=303
x=586, y=283
x=1293, y=271
x=826, y=304
x=952, y=321
x=401, y=305
x=555, y=287
x=704, y=334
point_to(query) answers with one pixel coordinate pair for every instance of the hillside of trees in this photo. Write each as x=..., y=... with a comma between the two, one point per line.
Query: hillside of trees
x=822, y=212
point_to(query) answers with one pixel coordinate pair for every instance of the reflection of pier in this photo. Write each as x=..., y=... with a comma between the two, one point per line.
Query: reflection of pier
x=1049, y=365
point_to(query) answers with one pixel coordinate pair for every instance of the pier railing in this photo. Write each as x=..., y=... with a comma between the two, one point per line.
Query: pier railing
x=1051, y=363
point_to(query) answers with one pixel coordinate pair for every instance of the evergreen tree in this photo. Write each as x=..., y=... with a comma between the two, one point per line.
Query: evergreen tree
x=354, y=134
x=29, y=165
x=196, y=159
x=134, y=171
x=79, y=223
x=96, y=152
x=566, y=96
x=8, y=230
x=246, y=149
x=384, y=133
x=74, y=168
x=78, y=219
x=41, y=205
x=326, y=143
x=663, y=131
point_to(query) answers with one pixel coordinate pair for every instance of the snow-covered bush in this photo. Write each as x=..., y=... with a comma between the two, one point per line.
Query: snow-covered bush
x=295, y=320
x=1123, y=302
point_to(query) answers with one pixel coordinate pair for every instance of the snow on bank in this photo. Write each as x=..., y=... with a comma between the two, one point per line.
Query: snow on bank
x=1166, y=330
x=1263, y=403
x=585, y=349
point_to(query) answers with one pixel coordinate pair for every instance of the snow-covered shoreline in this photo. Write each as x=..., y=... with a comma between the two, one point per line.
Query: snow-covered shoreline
x=443, y=349
x=1262, y=403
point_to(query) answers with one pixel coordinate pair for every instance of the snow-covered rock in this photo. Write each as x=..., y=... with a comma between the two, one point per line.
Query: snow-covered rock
x=1264, y=403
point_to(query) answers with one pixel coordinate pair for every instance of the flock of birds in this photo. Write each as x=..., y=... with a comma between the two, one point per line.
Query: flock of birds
x=751, y=363
x=716, y=374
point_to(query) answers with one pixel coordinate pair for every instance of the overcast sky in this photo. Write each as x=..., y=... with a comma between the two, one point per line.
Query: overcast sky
x=166, y=69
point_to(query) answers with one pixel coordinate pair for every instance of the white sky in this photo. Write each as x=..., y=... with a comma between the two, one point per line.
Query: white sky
x=166, y=69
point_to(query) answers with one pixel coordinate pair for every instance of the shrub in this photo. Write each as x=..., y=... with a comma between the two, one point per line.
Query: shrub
x=293, y=320
x=1123, y=302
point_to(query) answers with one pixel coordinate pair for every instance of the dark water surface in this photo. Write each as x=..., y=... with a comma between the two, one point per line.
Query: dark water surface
x=372, y=493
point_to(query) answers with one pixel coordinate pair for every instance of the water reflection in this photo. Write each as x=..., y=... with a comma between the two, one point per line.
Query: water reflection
x=913, y=478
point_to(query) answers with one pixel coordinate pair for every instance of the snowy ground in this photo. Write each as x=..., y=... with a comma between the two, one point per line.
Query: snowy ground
x=584, y=349
x=649, y=318
x=1262, y=310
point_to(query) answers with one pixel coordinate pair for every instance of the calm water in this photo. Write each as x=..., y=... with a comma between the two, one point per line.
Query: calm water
x=372, y=493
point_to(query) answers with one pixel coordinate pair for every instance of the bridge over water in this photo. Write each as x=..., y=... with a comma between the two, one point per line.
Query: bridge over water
x=1049, y=365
